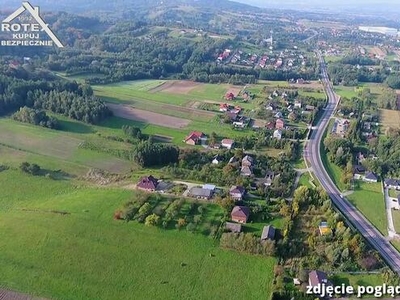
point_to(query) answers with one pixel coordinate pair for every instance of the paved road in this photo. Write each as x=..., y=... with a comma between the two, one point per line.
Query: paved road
x=387, y=251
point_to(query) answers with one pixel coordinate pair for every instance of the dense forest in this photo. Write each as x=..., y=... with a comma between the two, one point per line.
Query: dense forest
x=59, y=96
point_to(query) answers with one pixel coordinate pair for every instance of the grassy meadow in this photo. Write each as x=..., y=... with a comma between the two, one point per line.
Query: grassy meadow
x=369, y=200
x=85, y=254
x=60, y=148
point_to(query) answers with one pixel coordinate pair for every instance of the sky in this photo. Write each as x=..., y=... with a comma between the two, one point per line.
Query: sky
x=355, y=5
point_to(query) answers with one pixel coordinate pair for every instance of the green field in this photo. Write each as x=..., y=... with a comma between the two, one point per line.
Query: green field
x=356, y=280
x=334, y=171
x=60, y=148
x=345, y=91
x=305, y=180
x=85, y=254
x=368, y=199
x=396, y=219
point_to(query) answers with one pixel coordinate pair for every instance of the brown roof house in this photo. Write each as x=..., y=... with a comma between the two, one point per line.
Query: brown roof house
x=240, y=214
x=318, y=278
x=237, y=192
x=148, y=183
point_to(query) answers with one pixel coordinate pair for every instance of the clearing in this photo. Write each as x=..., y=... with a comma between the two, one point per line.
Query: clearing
x=390, y=118
x=130, y=113
x=87, y=255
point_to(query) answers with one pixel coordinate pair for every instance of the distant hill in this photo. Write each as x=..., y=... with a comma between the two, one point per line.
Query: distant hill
x=123, y=5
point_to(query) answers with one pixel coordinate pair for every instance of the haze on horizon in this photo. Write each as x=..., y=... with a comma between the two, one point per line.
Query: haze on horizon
x=338, y=5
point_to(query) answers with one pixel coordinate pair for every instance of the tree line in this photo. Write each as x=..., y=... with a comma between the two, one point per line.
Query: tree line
x=59, y=96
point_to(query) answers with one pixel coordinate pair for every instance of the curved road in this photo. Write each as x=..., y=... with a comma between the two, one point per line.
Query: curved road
x=374, y=237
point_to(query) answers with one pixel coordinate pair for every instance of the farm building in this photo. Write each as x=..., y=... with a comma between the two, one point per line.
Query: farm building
x=268, y=233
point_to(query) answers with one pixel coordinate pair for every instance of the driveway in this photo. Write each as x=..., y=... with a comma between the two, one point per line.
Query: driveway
x=189, y=185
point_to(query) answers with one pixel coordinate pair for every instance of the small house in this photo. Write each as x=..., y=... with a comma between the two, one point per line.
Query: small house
x=358, y=172
x=148, y=183
x=237, y=192
x=370, y=177
x=392, y=183
x=216, y=160
x=194, y=138
x=227, y=143
x=297, y=104
x=318, y=278
x=278, y=134
x=268, y=233
x=247, y=161
x=246, y=171
x=280, y=124
x=240, y=214
x=324, y=229
x=230, y=96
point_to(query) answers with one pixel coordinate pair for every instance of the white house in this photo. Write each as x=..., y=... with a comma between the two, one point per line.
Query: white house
x=370, y=177
x=278, y=134
x=297, y=104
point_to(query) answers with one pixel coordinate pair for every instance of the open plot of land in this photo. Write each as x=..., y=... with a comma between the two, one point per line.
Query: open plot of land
x=369, y=200
x=85, y=254
x=25, y=141
x=181, y=87
x=378, y=52
x=311, y=85
x=345, y=91
x=390, y=118
x=396, y=220
x=128, y=112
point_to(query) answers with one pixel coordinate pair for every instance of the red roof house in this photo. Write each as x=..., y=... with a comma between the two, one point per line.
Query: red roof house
x=148, y=183
x=240, y=214
x=279, y=124
x=230, y=96
x=193, y=138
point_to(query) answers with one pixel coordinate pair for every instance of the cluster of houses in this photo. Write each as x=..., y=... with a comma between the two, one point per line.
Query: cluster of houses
x=287, y=60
